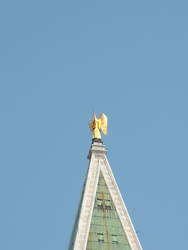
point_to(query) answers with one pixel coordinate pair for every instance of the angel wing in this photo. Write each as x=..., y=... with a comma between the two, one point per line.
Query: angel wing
x=104, y=122
x=90, y=125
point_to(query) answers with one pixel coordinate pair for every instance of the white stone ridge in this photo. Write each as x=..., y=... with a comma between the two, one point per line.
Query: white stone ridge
x=87, y=204
x=120, y=205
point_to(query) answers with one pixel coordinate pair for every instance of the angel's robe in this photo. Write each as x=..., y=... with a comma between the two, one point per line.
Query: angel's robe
x=96, y=126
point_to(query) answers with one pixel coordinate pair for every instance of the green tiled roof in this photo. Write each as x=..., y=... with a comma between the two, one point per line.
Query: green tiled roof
x=106, y=231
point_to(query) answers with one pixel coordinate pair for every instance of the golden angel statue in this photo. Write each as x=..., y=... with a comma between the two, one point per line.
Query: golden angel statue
x=98, y=125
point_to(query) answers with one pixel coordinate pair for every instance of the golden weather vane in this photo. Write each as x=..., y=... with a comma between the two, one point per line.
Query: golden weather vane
x=98, y=125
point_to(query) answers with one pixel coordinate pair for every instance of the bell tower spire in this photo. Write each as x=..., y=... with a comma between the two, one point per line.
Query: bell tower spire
x=102, y=220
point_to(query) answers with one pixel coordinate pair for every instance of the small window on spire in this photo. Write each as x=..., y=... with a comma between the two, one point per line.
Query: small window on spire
x=100, y=237
x=114, y=239
x=99, y=203
x=108, y=204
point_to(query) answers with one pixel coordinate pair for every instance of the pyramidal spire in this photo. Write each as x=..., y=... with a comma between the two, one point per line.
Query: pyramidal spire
x=102, y=220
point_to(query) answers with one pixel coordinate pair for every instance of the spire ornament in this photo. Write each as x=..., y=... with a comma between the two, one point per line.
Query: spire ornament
x=98, y=125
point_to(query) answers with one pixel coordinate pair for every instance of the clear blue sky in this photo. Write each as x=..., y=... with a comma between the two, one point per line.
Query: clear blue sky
x=60, y=60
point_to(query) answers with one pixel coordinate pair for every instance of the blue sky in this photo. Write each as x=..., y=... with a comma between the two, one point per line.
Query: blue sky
x=59, y=61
